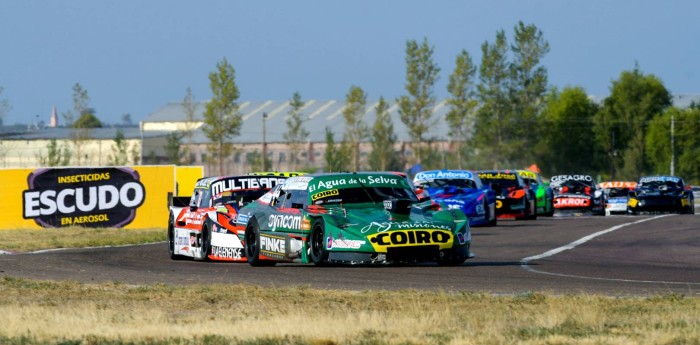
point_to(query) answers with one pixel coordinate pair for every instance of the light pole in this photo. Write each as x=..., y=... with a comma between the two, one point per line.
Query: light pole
x=264, y=144
x=673, y=152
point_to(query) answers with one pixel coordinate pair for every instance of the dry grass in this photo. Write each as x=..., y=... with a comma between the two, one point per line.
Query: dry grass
x=34, y=312
x=28, y=240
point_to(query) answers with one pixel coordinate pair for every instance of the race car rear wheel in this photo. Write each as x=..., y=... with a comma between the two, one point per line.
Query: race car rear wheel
x=319, y=254
x=550, y=213
x=252, y=245
x=488, y=215
x=171, y=239
x=205, y=244
x=533, y=209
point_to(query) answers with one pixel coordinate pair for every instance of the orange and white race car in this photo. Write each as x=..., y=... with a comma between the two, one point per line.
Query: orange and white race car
x=205, y=228
x=617, y=194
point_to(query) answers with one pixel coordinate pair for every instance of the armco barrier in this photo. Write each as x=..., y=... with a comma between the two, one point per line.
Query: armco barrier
x=125, y=197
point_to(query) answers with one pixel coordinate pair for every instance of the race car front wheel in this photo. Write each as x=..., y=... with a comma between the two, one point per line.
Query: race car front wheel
x=252, y=245
x=319, y=254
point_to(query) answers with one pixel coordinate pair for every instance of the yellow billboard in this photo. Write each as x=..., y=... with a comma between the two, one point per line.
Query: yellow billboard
x=124, y=197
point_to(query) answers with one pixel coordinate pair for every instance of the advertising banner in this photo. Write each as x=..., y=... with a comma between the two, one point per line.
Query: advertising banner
x=122, y=197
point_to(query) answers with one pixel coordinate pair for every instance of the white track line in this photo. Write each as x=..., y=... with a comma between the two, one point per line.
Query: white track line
x=524, y=263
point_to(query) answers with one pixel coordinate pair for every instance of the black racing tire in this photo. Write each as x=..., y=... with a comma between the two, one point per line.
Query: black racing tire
x=487, y=214
x=550, y=213
x=171, y=239
x=252, y=245
x=533, y=210
x=205, y=247
x=319, y=253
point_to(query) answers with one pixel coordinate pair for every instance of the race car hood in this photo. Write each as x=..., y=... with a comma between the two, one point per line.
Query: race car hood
x=374, y=225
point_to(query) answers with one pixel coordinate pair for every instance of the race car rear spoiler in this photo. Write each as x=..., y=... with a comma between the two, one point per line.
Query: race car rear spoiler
x=178, y=201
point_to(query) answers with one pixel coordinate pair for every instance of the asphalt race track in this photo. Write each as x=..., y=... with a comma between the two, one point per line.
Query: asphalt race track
x=615, y=255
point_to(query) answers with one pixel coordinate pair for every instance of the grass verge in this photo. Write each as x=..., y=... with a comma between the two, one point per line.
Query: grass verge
x=28, y=240
x=37, y=312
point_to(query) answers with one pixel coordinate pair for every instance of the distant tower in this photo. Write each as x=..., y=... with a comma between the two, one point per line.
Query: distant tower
x=53, y=123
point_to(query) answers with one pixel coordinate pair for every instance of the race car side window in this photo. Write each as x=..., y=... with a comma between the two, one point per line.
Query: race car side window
x=277, y=196
x=298, y=199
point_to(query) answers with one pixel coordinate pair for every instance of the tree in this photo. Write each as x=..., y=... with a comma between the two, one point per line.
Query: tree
x=383, y=157
x=296, y=133
x=173, y=145
x=334, y=154
x=56, y=156
x=189, y=106
x=493, y=127
x=135, y=154
x=567, y=142
x=119, y=156
x=87, y=120
x=222, y=119
x=528, y=85
x=356, y=129
x=621, y=125
x=462, y=103
x=81, y=129
x=126, y=120
x=686, y=143
x=416, y=108
x=255, y=161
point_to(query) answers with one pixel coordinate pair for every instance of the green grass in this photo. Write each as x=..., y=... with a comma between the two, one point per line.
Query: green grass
x=28, y=240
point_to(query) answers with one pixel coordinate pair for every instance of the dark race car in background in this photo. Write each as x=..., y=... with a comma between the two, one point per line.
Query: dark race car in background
x=205, y=229
x=543, y=192
x=577, y=194
x=514, y=198
x=459, y=189
x=616, y=195
x=661, y=194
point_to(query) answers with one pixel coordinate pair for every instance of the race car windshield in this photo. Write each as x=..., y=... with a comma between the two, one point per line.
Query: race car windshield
x=458, y=183
x=504, y=183
x=659, y=185
x=366, y=195
x=240, y=198
x=617, y=192
x=576, y=187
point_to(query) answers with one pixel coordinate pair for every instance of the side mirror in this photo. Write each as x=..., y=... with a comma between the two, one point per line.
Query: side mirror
x=193, y=208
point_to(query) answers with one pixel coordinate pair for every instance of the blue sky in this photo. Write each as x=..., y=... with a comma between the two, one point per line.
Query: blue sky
x=133, y=56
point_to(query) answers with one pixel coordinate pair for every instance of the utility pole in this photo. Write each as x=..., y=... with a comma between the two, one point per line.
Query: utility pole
x=264, y=144
x=673, y=151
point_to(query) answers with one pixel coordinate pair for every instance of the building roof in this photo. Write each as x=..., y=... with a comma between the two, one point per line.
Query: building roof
x=317, y=116
x=108, y=133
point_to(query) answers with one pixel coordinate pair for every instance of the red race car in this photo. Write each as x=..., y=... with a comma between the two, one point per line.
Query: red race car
x=205, y=228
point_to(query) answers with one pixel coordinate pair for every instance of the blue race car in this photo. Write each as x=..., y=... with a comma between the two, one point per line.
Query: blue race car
x=459, y=189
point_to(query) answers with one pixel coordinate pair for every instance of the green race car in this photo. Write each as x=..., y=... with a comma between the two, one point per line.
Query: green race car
x=544, y=195
x=350, y=218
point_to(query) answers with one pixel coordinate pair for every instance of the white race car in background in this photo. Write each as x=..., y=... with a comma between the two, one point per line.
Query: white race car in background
x=616, y=195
